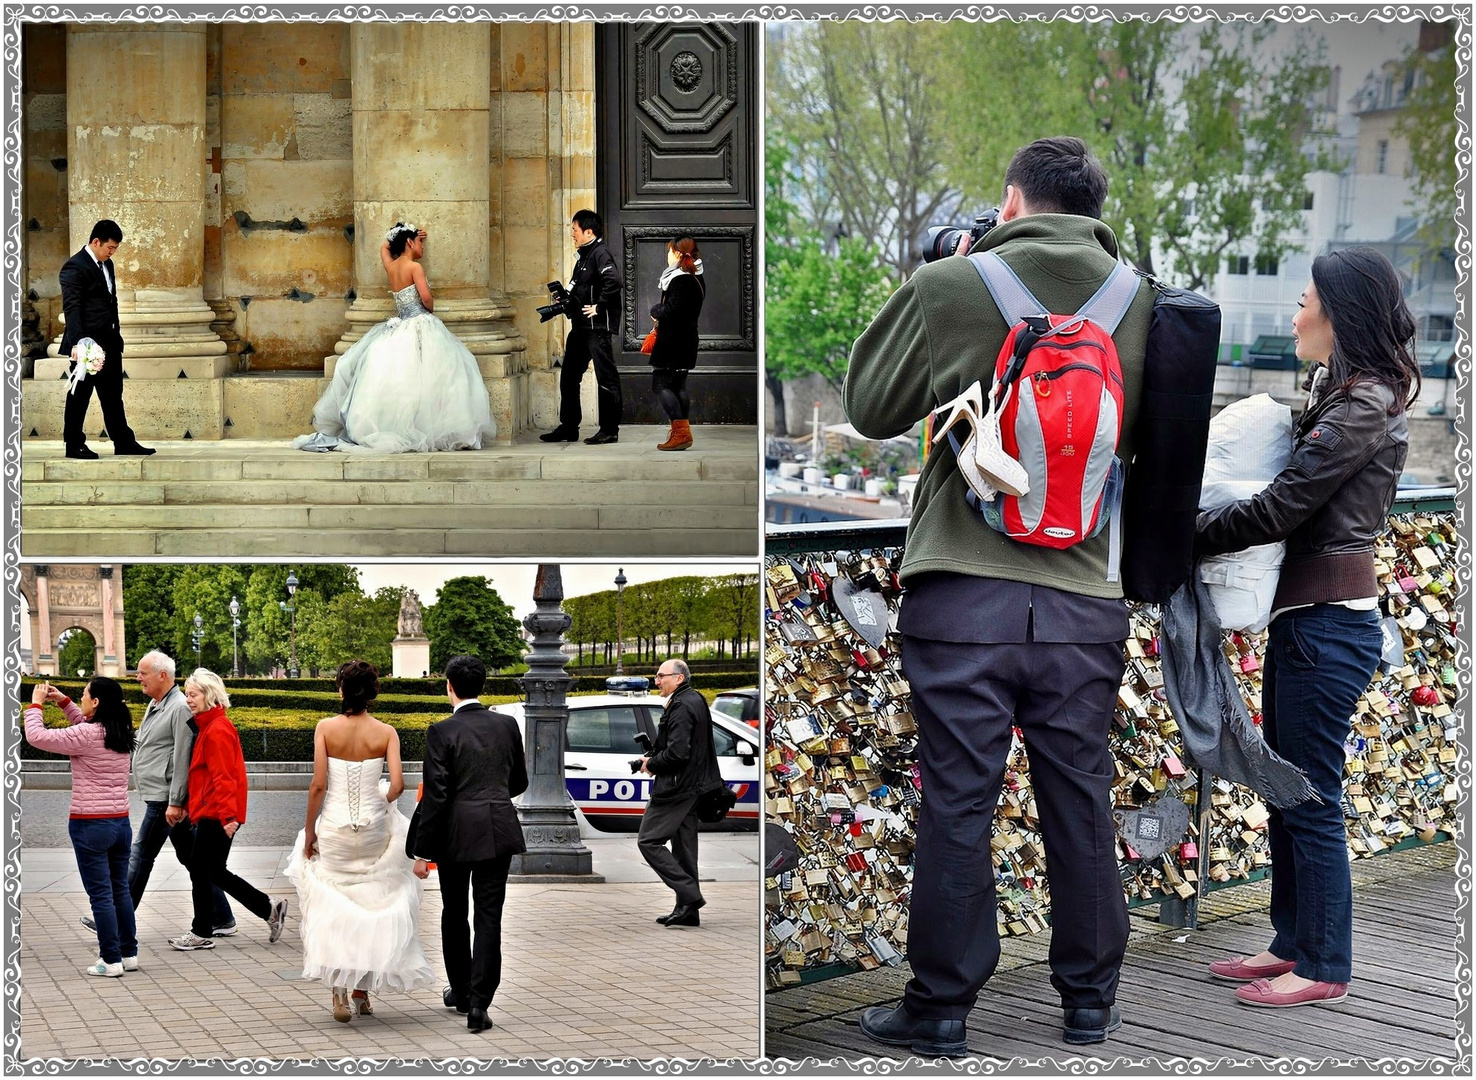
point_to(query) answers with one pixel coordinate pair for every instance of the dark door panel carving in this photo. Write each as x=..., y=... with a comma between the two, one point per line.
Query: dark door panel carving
x=677, y=143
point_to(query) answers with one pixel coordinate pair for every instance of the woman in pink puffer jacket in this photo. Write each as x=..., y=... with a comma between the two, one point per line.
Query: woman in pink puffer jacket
x=99, y=742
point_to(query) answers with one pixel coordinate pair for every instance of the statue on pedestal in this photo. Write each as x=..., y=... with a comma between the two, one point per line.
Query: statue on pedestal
x=411, y=625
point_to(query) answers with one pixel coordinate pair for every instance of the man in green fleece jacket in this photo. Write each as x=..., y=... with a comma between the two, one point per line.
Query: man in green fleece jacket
x=1000, y=634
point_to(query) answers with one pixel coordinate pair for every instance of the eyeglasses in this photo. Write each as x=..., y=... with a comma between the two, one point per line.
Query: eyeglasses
x=663, y=675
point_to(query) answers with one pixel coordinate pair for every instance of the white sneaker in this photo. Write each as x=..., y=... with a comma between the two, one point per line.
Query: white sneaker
x=130, y=963
x=189, y=942
x=108, y=971
x=276, y=921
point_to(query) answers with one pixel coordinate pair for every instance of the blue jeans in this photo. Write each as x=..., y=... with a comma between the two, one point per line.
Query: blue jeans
x=101, y=846
x=153, y=830
x=1319, y=660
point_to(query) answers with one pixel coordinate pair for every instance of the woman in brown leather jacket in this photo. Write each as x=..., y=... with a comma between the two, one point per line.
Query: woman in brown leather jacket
x=1329, y=505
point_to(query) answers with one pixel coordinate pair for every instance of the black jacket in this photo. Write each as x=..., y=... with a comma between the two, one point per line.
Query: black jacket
x=91, y=309
x=683, y=759
x=473, y=769
x=676, y=314
x=1329, y=503
x=595, y=280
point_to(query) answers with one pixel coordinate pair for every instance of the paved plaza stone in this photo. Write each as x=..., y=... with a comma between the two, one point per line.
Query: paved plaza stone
x=254, y=497
x=587, y=972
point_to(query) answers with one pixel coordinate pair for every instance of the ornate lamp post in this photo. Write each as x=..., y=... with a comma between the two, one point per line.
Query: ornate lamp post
x=550, y=828
x=235, y=608
x=292, y=670
x=619, y=621
x=198, y=637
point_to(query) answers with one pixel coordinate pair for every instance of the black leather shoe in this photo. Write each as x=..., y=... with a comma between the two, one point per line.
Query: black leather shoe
x=136, y=450
x=81, y=453
x=461, y=1005
x=600, y=438
x=930, y=1038
x=478, y=1020
x=1091, y=1025
x=560, y=434
x=684, y=915
x=662, y=919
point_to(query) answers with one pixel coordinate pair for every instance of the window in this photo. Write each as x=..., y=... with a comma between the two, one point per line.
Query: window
x=603, y=731
x=1383, y=162
x=727, y=743
x=1307, y=201
x=1267, y=266
x=1238, y=264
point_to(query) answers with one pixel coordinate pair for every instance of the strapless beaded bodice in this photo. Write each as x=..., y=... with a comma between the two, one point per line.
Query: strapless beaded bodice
x=407, y=302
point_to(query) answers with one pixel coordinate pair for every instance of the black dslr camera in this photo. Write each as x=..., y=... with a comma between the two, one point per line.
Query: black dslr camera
x=560, y=305
x=942, y=240
x=644, y=742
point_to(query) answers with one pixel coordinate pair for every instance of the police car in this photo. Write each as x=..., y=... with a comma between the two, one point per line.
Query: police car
x=601, y=743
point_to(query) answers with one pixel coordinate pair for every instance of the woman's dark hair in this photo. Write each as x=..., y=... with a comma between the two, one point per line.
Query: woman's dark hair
x=1373, y=330
x=400, y=239
x=687, y=253
x=358, y=685
x=112, y=713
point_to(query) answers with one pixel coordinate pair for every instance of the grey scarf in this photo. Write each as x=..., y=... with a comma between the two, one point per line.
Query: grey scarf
x=1219, y=735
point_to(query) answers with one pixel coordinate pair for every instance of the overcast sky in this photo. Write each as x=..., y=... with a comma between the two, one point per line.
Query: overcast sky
x=513, y=581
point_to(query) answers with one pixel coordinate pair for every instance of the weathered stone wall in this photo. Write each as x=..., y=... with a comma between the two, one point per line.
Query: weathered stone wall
x=44, y=197
x=282, y=254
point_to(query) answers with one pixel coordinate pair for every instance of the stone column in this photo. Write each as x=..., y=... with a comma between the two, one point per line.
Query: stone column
x=42, y=646
x=136, y=153
x=109, y=643
x=421, y=132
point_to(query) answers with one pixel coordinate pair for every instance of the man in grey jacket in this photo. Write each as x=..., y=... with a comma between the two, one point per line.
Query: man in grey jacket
x=161, y=775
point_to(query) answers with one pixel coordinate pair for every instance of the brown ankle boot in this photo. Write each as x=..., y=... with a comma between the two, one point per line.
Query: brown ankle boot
x=680, y=436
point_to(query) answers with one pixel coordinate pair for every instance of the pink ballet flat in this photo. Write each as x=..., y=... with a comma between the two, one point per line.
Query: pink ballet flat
x=1235, y=969
x=1320, y=993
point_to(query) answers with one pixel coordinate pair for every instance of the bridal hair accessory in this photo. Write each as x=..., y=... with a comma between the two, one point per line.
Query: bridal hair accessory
x=985, y=466
x=400, y=227
x=90, y=359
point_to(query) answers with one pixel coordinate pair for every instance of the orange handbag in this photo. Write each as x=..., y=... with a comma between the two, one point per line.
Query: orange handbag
x=649, y=345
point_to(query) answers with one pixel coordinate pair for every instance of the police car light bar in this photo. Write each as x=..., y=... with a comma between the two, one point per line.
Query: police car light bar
x=627, y=684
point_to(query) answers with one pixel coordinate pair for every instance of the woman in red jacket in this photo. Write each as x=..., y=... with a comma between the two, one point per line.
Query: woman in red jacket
x=217, y=809
x=99, y=742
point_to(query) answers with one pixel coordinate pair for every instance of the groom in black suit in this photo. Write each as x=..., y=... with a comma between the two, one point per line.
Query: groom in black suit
x=467, y=825
x=90, y=300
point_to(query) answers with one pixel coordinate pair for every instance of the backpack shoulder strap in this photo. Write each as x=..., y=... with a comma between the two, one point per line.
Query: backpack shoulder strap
x=1110, y=303
x=1014, y=300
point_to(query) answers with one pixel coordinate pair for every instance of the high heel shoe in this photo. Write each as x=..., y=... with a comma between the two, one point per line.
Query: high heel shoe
x=361, y=999
x=341, y=1011
x=985, y=466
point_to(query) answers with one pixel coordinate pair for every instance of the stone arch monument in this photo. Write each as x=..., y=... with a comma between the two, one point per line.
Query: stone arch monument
x=65, y=595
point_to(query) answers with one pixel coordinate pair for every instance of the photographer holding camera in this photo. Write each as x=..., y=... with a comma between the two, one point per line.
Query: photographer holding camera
x=592, y=306
x=997, y=632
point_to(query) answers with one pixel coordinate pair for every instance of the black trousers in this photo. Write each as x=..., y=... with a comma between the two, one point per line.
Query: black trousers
x=203, y=846
x=966, y=697
x=474, y=970
x=109, y=386
x=672, y=820
x=582, y=348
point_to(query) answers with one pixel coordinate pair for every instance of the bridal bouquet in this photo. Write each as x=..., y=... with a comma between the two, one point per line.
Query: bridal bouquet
x=89, y=357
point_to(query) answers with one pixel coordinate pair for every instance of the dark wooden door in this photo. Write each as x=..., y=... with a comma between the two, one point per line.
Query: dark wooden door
x=677, y=152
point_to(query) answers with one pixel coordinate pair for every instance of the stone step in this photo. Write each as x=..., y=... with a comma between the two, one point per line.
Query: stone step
x=149, y=367
x=349, y=544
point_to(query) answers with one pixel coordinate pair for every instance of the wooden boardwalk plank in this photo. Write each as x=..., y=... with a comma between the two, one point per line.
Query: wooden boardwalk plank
x=1401, y=1002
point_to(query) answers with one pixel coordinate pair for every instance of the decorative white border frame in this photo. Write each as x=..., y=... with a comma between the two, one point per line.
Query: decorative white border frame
x=11, y=21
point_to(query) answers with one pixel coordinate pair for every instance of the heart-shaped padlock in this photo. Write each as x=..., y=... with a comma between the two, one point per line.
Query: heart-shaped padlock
x=1152, y=829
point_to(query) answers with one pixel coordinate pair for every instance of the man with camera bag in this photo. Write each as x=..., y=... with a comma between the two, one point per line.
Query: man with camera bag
x=592, y=305
x=999, y=633
x=684, y=763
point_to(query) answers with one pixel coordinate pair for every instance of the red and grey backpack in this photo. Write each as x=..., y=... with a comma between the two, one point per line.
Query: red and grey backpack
x=1059, y=385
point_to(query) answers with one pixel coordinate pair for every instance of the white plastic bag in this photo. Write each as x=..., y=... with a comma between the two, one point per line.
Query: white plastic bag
x=1250, y=442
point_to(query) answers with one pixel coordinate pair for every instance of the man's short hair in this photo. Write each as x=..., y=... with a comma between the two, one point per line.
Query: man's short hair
x=589, y=221
x=211, y=687
x=1059, y=175
x=159, y=661
x=680, y=667
x=105, y=230
x=467, y=675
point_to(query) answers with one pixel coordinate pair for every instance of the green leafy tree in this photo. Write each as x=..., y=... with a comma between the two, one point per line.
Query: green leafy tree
x=78, y=654
x=148, y=605
x=267, y=625
x=736, y=608
x=351, y=626
x=688, y=594
x=469, y=617
x=1429, y=123
x=206, y=589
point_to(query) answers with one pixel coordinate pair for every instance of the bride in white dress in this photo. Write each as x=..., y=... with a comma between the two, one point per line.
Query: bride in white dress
x=356, y=888
x=409, y=384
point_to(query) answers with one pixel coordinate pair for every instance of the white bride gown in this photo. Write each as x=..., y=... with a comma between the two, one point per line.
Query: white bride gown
x=359, y=898
x=407, y=386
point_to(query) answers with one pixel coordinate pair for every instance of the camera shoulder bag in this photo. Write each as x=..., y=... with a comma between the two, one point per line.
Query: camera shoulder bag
x=714, y=803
